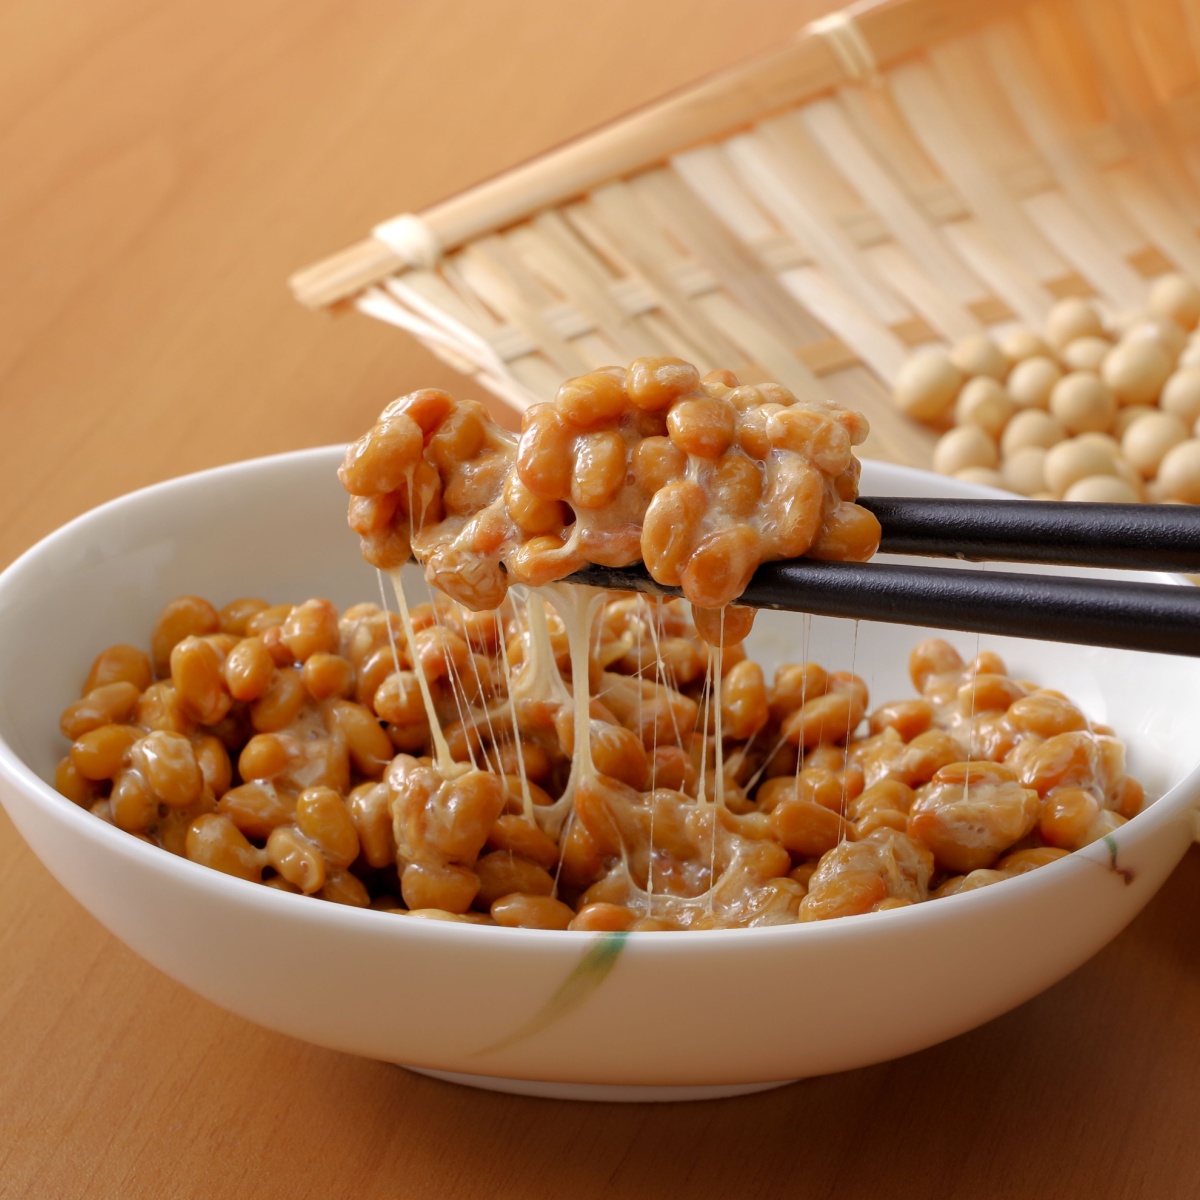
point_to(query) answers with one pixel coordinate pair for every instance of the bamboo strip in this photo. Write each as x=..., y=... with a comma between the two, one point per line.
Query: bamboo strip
x=617, y=210
x=444, y=291
x=598, y=352
x=1046, y=127
x=993, y=311
x=1108, y=274
x=828, y=356
x=1160, y=35
x=778, y=179
x=1191, y=21
x=710, y=243
x=827, y=123
x=491, y=273
x=548, y=250
x=1027, y=298
x=873, y=114
x=874, y=343
x=906, y=277
x=475, y=333
x=345, y=273
x=1131, y=97
x=1053, y=33
x=677, y=343
x=714, y=107
x=536, y=378
x=830, y=193
x=759, y=347
x=377, y=303
x=809, y=230
x=708, y=172
x=961, y=70
x=493, y=349
x=951, y=146
x=1158, y=220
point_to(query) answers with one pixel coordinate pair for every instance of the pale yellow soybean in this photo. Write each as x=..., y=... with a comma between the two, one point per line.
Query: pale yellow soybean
x=1148, y=440
x=1105, y=440
x=1101, y=489
x=1181, y=395
x=1127, y=415
x=966, y=446
x=1136, y=370
x=1177, y=298
x=1024, y=343
x=1179, y=473
x=985, y=476
x=1031, y=427
x=1158, y=329
x=1024, y=471
x=1132, y=476
x=985, y=403
x=1072, y=318
x=1083, y=402
x=1085, y=353
x=926, y=385
x=977, y=354
x=1076, y=459
x=1031, y=381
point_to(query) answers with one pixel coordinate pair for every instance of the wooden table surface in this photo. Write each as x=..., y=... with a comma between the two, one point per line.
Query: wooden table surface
x=163, y=167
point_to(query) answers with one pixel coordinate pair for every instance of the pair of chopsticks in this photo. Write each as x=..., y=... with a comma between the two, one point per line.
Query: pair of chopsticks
x=1162, y=618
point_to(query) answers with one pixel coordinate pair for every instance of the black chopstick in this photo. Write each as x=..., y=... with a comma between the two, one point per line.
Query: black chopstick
x=1161, y=618
x=1142, y=537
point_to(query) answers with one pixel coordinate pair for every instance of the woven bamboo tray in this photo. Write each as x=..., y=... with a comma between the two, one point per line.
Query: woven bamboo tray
x=903, y=172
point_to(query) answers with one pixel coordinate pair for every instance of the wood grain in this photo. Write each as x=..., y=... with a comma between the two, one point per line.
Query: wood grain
x=165, y=167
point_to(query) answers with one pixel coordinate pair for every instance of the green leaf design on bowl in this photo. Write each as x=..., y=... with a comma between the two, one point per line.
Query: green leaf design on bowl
x=590, y=972
x=1124, y=872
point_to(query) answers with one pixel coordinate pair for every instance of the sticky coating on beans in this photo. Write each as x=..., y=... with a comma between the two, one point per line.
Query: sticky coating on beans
x=650, y=463
x=820, y=805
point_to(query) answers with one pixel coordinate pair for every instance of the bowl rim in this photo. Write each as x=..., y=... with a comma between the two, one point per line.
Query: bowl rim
x=17, y=774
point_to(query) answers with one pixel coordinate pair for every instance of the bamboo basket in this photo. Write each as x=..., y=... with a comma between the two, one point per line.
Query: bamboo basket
x=903, y=172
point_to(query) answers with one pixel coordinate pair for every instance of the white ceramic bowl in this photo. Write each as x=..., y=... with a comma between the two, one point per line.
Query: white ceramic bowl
x=651, y=1016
